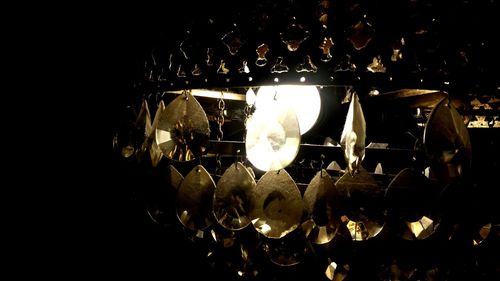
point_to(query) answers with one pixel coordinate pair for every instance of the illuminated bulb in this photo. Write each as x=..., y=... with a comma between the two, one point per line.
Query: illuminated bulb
x=304, y=100
x=302, y=79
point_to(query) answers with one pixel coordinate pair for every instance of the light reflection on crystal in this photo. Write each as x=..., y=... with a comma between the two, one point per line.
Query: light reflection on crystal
x=273, y=136
x=194, y=199
x=183, y=129
x=363, y=200
x=447, y=142
x=320, y=200
x=376, y=65
x=155, y=152
x=278, y=205
x=334, y=166
x=422, y=228
x=411, y=197
x=323, y=234
x=180, y=71
x=244, y=68
x=234, y=197
x=353, y=135
x=196, y=70
x=175, y=177
x=222, y=68
x=214, y=235
x=306, y=66
x=250, y=97
x=330, y=270
x=209, y=59
x=480, y=122
x=482, y=234
x=362, y=230
x=307, y=226
x=397, y=54
x=325, y=46
x=127, y=151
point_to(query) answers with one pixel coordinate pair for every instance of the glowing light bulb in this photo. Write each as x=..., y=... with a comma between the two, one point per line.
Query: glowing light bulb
x=304, y=101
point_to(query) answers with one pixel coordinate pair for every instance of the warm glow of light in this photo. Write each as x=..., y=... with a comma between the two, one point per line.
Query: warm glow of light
x=420, y=226
x=330, y=270
x=250, y=97
x=304, y=100
x=213, y=94
x=273, y=136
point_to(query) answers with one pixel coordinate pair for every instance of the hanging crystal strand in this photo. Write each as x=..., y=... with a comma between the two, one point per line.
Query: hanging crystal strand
x=220, y=134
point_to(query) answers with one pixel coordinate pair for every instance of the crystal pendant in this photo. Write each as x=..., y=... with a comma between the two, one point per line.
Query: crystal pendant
x=174, y=177
x=325, y=47
x=447, y=143
x=306, y=66
x=183, y=129
x=353, y=135
x=411, y=198
x=363, y=204
x=194, y=199
x=294, y=35
x=262, y=50
x=279, y=66
x=234, y=197
x=482, y=234
x=233, y=40
x=278, y=205
x=320, y=202
x=155, y=151
x=362, y=34
x=163, y=197
x=143, y=131
x=336, y=272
